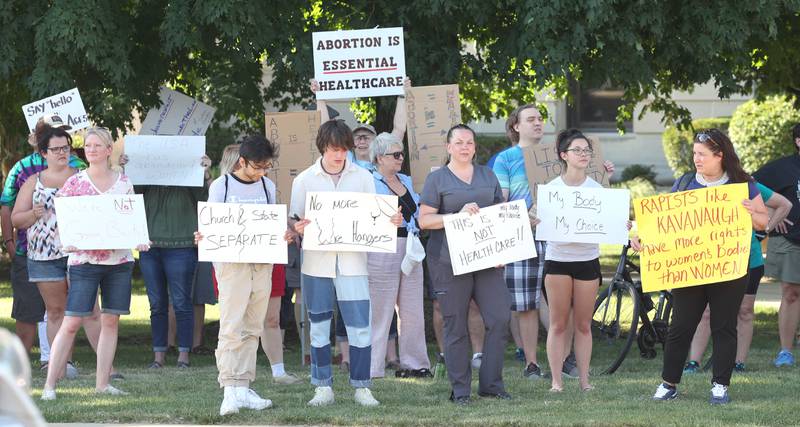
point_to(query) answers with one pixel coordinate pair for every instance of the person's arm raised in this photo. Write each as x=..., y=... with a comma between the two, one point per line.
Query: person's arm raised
x=400, y=120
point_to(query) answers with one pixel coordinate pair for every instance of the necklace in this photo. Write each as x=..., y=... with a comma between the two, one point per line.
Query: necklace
x=322, y=165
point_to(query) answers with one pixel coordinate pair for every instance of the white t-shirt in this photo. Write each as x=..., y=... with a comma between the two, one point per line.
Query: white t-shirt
x=241, y=191
x=566, y=251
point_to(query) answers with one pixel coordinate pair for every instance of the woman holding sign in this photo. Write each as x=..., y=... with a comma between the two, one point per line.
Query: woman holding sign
x=91, y=270
x=717, y=164
x=462, y=186
x=329, y=276
x=396, y=279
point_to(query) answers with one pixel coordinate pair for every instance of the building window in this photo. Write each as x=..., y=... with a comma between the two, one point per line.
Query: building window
x=595, y=109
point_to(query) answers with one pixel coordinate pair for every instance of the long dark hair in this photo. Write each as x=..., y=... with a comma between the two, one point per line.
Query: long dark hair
x=564, y=140
x=719, y=143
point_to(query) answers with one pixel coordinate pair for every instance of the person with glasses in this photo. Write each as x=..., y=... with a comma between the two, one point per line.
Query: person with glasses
x=168, y=267
x=244, y=289
x=462, y=186
x=716, y=163
x=106, y=270
x=390, y=285
x=571, y=271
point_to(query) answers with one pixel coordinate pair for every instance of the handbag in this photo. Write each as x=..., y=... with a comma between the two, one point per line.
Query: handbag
x=415, y=253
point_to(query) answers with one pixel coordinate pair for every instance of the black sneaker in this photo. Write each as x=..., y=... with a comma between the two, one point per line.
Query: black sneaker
x=460, y=400
x=532, y=372
x=570, y=367
x=502, y=395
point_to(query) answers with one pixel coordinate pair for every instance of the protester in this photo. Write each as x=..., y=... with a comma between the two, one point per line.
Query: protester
x=244, y=288
x=783, y=246
x=572, y=270
x=271, y=336
x=395, y=279
x=168, y=267
x=716, y=164
x=461, y=186
x=345, y=271
x=34, y=211
x=744, y=323
x=90, y=270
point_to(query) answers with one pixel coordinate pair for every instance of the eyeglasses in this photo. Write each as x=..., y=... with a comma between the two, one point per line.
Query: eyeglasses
x=64, y=149
x=704, y=137
x=397, y=155
x=364, y=137
x=582, y=151
x=266, y=167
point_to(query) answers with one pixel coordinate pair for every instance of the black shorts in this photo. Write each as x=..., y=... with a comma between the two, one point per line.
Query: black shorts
x=578, y=270
x=756, y=273
x=27, y=305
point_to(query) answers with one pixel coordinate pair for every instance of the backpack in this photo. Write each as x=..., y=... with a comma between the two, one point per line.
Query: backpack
x=263, y=184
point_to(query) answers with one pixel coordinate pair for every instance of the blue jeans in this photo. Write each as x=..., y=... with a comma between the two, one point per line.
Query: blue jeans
x=320, y=295
x=169, y=273
x=113, y=281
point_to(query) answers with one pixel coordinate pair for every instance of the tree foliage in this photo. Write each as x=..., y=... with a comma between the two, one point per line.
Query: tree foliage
x=761, y=130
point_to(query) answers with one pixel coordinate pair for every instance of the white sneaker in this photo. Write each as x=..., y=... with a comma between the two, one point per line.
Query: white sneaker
x=112, y=391
x=71, y=372
x=476, y=361
x=48, y=394
x=287, y=379
x=663, y=392
x=230, y=403
x=719, y=394
x=364, y=397
x=323, y=396
x=248, y=398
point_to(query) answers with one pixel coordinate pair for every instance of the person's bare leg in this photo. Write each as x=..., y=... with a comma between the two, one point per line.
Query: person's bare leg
x=54, y=295
x=584, y=295
x=559, y=294
x=477, y=330
x=106, y=348
x=514, y=327
x=744, y=327
x=544, y=314
x=59, y=350
x=344, y=349
x=391, y=350
x=788, y=314
x=271, y=334
x=529, y=334
x=438, y=326
x=199, y=325
x=701, y=336
x=27, y=334
x=91, y=325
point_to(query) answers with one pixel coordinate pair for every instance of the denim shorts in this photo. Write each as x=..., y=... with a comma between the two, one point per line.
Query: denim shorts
x=53, y=270
x=113, y=281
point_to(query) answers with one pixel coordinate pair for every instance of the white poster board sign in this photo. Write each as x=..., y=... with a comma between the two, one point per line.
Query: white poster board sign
x=242, y=233
x=178, y=115
x=496, y=235
x=108, y=221
x=358, y=63
x=582, y=215
x=165, y=160
x=350, y=222
x=67, y=105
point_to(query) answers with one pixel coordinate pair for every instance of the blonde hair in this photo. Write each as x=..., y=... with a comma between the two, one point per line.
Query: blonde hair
x=102, y=133
x=230, y=157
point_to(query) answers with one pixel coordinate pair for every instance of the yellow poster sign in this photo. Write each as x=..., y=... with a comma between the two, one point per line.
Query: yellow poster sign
x=693, y=237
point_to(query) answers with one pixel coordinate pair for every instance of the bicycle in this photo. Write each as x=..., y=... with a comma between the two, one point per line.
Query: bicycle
x=618, y=311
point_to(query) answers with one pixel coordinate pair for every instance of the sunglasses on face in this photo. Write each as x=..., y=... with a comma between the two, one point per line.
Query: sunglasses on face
x=397, y=155
x=64, y=149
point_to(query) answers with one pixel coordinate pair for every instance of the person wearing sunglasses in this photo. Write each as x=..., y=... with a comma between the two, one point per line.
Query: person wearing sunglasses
x=391, y=285
x=716, y=163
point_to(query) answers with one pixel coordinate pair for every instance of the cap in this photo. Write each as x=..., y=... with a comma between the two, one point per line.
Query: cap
x=365, y=126
x=54, y=120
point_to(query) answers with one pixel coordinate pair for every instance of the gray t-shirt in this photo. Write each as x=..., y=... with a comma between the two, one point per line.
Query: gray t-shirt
x=447, y=193
x=239, y=191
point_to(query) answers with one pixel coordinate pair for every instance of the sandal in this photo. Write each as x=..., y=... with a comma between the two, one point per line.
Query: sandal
x=155, y=365
x=422, y=373
x=182, y=365
x=404, y=373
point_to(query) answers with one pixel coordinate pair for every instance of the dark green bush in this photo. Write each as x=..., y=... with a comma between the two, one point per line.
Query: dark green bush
x=677, y=143
x=761, y=130
x=488, y=145
x=636, y=171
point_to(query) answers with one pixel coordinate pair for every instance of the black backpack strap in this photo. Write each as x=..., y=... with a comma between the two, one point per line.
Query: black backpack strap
x=225, y=197
x=684, y=181
x=266, y=193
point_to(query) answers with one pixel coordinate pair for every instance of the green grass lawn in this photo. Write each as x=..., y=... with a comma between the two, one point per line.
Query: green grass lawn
x=764, y=395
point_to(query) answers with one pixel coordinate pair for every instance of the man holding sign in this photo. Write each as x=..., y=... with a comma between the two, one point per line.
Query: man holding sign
x=717, y=257
x=244, y=288
x=345, y=272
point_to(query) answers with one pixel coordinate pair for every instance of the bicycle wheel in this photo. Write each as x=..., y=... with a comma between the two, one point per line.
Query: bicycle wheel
x=616, y=317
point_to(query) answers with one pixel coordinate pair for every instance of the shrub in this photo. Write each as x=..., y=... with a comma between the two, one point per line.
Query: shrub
x=636, y=171
x=639, y=187
x=677, y=143
x=487, y=146
x=761, y=130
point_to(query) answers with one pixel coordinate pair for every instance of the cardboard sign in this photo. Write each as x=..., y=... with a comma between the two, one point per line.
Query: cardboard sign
x=431, y=111
x=178, y=115
x=542, y=164
x=496, y=235
x=165, y=160
x=582, y=214
x=295, y=134
x=693, y=237
x=67, y=105
x=108, y=221
x=242, y=233
x=359, y=63
x=350, y=222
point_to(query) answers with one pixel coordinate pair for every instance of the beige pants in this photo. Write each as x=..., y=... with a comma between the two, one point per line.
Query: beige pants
x=243, y=300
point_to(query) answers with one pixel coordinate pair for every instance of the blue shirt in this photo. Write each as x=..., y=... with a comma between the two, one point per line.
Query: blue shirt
x=509, y=166
x=382, y=188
